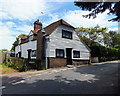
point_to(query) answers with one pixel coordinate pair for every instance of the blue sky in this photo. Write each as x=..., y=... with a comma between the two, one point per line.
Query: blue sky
x=18, y=16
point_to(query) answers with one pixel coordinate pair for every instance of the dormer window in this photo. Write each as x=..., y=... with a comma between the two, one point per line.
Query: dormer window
x=66, y=34
x=30, y=37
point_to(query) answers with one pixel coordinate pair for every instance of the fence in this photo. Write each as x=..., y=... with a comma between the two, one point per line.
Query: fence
x=3, y=56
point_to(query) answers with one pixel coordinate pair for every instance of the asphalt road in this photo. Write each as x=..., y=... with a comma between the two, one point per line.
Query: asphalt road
x=92, y=79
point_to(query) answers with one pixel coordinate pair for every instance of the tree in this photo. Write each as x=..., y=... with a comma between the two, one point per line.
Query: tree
x=4, y=50
x=16, y=42
x=114, y=38
x=100, y=7
x=94, y=34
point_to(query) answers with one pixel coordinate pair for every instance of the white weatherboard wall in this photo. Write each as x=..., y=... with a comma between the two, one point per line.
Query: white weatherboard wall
x=24, y=47
x=57, y=42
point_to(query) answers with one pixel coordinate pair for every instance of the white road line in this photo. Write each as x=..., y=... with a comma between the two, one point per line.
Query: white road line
x=2, y=87
x=22, y=81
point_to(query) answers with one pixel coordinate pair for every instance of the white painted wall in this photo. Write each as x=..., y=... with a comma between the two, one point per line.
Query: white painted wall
x=24, y=47
x=57, y=42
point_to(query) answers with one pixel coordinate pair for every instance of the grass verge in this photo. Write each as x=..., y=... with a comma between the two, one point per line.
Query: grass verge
x=4, y=69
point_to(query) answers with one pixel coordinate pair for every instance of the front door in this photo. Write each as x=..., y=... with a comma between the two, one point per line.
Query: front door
x=69, y=56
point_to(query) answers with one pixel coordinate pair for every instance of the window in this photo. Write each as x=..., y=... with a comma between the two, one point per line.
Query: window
x=33, y=53
x=30, y=37
x=76, y=54
x=66, y=34
x=60, y=53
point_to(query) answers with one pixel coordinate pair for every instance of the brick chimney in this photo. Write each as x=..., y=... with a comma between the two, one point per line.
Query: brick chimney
x=37, y=25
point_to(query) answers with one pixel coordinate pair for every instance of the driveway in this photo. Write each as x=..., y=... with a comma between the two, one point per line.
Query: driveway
x=92, y=79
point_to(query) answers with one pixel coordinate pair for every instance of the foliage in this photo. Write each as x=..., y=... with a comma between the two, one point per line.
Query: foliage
x=98, y=34
x=117, y=46
x=16, y=63
x=100, y=7
x=4, y=50
x=6, y=69
x=105, y=53
x=94, y=34
x=114, y=38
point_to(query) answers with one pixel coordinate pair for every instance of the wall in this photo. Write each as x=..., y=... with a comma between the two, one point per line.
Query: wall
x=56, y=41
x=3, y=55
x=57, y=62
x=1, y=61
x=24, y=47
x=95, y=59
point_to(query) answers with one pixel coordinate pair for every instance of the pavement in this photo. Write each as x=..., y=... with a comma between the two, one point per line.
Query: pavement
x=100, y=78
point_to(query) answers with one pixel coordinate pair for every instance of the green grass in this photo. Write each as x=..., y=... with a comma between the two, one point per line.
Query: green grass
x=5, y=69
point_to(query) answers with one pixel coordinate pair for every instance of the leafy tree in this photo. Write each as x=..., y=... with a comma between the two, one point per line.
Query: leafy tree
x=94, y=34
x=100, y=7
x=114, y=38
x=4, y=50
x=16, y=42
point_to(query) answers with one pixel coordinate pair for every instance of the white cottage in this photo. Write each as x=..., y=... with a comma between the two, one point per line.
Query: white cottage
x=62, y=46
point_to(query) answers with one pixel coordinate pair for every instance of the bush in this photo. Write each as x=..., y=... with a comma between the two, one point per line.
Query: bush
x=16, y=63
x=10, y=64
x=105, y=53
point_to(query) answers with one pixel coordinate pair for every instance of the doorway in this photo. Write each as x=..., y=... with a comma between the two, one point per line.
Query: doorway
x=69, y=56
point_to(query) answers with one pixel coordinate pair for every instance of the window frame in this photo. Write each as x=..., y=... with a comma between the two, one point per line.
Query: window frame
x=75, y=56
x=62, y=50
x=32, y=53
x=66, y=32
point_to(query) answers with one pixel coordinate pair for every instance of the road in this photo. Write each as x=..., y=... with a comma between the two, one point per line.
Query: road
x=91, y=79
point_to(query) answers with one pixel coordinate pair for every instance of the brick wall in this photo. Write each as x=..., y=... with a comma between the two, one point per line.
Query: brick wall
x=57, y=62
x=80, y=62
x=60, y=62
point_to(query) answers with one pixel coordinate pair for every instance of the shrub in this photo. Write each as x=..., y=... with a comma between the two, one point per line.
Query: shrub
x=16, y=63
x=105, y=53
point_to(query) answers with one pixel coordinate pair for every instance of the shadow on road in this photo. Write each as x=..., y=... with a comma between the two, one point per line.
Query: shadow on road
x=97, y=79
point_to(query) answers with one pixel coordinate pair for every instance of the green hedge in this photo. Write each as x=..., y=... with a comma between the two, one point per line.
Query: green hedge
x=105, y=53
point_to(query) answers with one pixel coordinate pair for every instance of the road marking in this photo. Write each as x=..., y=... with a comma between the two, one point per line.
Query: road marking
x=22, y=81
x=2, y=87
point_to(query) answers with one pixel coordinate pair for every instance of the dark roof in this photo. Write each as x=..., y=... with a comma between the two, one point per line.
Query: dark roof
x=50, y=28
x=23, y=37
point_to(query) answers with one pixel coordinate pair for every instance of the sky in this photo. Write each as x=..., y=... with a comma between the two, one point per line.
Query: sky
x=17, y=17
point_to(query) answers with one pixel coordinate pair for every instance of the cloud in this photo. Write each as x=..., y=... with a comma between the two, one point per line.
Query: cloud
x=8, y=33
x=75, y=17
x=13, y=17
x=6, y=37
x=25, y=29
x=16, y=17
x=22, y=9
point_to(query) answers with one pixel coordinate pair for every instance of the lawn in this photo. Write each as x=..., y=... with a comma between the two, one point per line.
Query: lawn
x=5, y=69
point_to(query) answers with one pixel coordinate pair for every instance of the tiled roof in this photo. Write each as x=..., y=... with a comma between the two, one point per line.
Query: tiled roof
x=23, y=37
x=50, y=28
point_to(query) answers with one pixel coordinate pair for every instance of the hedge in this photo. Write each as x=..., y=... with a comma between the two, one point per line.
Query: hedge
x=105, y=53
